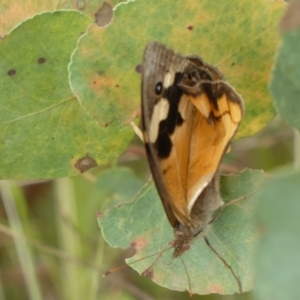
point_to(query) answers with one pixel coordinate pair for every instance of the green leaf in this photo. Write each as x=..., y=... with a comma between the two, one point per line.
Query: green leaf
x=44, y=130
x=238, y=36
x=277, y=261
x=143, y=225
x=285, y=82
x=118, y=184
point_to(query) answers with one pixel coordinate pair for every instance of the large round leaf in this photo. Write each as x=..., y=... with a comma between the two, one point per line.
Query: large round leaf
x=143, y=225
x=239, y=36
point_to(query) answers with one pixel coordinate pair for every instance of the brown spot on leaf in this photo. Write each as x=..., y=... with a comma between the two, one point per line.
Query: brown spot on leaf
x=100, y=83
x=85, y=163
x=117, y=86
x=138, y=69
x=41, y=60
x=104, y=15
x=105, y=124
x=139, y=244
x=99, y=214
x=11, y=72
x=214, y=289
x=148, y=273
x=190, y=27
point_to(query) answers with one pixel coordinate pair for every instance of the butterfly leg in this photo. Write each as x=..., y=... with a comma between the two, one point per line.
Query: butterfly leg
x=149, y=272
x=137, y=131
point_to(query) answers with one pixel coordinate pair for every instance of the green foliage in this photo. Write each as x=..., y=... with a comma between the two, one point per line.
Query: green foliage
x=44, y=130
x=69, y=90
x=239, y=41
x=142, y=224
x=285, y=83
x=41, y=115
x=125, y=190
x=277, y=260
x=278, y=257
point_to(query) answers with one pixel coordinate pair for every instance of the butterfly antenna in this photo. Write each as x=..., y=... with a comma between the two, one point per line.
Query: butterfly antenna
x=114, y=270
x=225, y=263
x=131, y=263
x=228, y=204
x=148, y=271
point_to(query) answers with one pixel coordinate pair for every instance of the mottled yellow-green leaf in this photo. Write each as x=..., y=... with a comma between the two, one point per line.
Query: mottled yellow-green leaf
x=14, y=12
x=239, y=36
x=43, y=128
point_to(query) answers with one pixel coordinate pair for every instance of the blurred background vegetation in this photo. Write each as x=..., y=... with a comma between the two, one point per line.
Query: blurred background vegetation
x=51, y=246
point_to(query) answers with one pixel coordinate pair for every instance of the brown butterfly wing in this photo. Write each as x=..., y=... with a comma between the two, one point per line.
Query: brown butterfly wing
x=161, y=98
x=189, y=118
x=167, y=124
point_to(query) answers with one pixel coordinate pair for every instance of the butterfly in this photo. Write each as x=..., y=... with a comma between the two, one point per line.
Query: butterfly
x=190, y=115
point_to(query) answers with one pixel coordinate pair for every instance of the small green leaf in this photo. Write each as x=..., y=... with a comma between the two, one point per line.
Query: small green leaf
x=285, y=82
x=238, y=36
x=43, y=128
x=143, y=225
x=277, y=261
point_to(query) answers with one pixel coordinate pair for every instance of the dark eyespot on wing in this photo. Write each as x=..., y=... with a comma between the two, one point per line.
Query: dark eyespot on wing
x=158, y=89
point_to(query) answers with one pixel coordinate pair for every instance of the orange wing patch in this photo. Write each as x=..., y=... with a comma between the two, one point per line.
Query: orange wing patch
x=213, y=130
x=198, y=146
x=174, y=168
